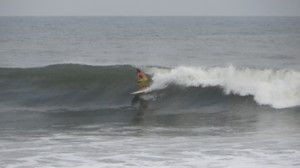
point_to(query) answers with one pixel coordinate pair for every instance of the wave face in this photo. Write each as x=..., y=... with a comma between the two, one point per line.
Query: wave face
x=84, y=86
x=277, y=88
x=67, y=85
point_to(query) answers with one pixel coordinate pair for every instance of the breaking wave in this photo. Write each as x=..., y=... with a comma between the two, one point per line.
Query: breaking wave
x=74, y=85
x=277, y=88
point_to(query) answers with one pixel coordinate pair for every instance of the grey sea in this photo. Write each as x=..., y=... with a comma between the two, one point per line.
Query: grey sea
x=224, y=92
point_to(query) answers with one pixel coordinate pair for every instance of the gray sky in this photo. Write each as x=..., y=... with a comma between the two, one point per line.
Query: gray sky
x=151, y=7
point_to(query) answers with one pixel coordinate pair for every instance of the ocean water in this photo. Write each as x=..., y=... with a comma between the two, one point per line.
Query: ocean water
x=225, y=92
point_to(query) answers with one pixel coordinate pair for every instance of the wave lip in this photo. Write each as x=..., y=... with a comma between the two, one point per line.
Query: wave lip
x=277, y=88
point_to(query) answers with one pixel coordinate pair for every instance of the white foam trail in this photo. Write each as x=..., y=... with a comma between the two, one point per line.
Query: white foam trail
x=277, y=88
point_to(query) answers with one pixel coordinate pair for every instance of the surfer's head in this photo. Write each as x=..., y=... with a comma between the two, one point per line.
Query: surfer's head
x=138, y=70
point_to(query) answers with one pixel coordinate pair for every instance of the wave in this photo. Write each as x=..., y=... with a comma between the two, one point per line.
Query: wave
x=71, y=85
x=277, y=88
x=74, y=85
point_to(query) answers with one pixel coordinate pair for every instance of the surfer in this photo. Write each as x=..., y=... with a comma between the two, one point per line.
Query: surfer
x=142, y=83
x=142, y=79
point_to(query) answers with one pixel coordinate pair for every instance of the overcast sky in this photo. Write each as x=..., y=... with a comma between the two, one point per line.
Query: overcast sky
x=151, y=7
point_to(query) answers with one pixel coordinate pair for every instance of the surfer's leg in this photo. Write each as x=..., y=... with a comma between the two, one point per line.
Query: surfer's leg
x=135, y=100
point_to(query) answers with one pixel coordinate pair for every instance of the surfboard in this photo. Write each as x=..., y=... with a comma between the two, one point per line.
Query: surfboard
x=139, y=92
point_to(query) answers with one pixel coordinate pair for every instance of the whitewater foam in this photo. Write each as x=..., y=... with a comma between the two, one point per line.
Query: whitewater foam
x=277, y=88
